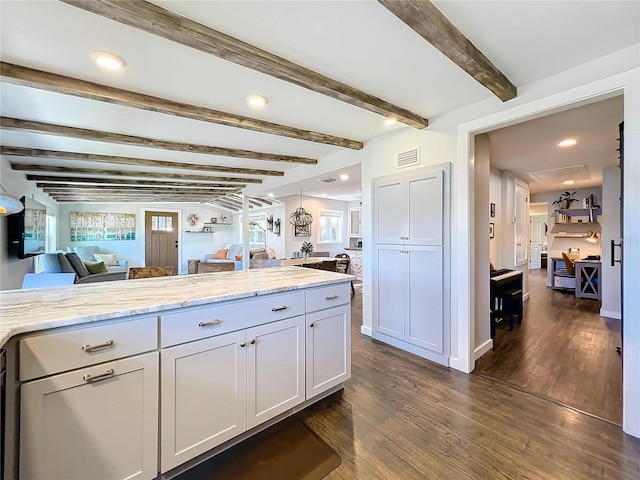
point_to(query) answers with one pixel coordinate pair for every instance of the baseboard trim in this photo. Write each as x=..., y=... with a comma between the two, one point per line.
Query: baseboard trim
x=482, y=349
x=611, y=314
x=366, y=330
x=408, y=347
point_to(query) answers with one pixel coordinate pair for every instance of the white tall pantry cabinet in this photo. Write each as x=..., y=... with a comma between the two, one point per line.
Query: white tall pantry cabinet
x=410, y=261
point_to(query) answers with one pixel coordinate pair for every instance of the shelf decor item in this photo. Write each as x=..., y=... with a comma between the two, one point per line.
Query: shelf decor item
x=193, y=219
x=276, y=226
x=300, y=217
x=564, y=200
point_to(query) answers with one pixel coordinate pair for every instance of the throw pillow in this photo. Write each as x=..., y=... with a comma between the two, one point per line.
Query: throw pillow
x=222, y=254
x=238, y=258
x=109, y=259
x=96, y=267
x=77, y=264
x=65, y=266
x=86, y=252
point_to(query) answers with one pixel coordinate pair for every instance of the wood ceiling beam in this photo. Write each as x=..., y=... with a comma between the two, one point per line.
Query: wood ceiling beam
x=91, y=157
x=100, y=136
x=51, y=82
x=21, y=167
x=132, y=190
x=103, y=188
x=113, y=181
x=426, y=20
x=158, y=21
x=131, y=199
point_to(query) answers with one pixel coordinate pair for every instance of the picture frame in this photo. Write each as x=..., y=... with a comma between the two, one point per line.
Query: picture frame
x=493, y=210
x=302, y=231
x=491, y=230
x=207, y=229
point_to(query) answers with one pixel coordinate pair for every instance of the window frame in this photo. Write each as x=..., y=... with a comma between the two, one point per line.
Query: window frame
x=339, y=214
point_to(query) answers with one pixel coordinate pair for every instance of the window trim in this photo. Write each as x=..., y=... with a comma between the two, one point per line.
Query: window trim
x=335, y=214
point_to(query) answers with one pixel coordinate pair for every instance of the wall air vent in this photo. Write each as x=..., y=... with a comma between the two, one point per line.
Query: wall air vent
x=327, y=180
x=408, y=158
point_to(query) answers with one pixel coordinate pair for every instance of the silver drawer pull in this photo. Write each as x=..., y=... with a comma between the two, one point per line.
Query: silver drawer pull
x=93, y=348
x=279, y=309
x=208, y=324
x=89, y=378
x=332, y=297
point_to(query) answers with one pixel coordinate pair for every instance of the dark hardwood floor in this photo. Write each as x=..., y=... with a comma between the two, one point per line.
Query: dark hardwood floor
x=563, y=350
x=403, y=417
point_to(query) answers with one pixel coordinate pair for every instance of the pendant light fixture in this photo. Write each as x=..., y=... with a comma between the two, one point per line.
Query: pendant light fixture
x=8, y=204
x=300, y=217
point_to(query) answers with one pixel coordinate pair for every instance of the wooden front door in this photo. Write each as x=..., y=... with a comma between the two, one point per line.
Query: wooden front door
x=161, y=240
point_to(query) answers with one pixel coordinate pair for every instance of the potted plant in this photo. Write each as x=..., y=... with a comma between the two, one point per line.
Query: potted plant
x=306, y=249
x=564, y=200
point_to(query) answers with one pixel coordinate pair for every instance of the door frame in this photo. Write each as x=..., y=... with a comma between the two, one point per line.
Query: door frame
x=141, y=229
x=463, y=257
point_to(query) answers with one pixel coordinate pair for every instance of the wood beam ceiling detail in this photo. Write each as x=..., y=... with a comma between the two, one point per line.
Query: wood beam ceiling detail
x=20, y=75
x=121, y=173
x=90, y=157
x=97, y=135
x=91, y=181
x=427, y=21
x=159, y=21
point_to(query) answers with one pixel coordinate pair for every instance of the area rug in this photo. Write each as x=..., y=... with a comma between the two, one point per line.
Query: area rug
x=289, y=450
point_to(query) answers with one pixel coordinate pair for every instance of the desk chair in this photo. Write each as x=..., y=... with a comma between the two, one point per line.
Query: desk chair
x=149, y=272
x=41, y=280
x=311, y=265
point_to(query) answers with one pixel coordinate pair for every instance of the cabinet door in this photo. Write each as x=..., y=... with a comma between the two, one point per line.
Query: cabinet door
x=355, y=222
x=203, y=396
x=275, y=369
x=388, y=211
x=389, y=294
x=328, y=349
x=424, y=208
x=425, y=302
x=100, y=427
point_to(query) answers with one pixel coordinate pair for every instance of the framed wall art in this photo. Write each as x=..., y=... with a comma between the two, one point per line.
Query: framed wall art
x=89, y=226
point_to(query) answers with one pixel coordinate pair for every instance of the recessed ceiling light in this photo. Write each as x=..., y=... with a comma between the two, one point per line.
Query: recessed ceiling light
x=107, y=60
x=344, y=177
x=256, y=101
x=568, y=182
x=568, y=142
x=390, y=121
x=270, y=195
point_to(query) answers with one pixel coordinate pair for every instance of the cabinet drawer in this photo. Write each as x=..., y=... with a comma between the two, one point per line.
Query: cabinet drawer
x=186, y=326
x=330, y=296
x=51, y=353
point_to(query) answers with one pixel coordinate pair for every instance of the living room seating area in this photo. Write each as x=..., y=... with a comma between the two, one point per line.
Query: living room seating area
x=89, y=265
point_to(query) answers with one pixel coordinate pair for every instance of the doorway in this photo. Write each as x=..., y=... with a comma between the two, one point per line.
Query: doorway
x=551, y=354
x=161, y=239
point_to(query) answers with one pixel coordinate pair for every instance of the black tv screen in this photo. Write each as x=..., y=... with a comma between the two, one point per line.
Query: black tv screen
x=28, y=229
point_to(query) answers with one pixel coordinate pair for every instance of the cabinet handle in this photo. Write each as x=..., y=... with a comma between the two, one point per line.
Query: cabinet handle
x=252, y=341
x=613, y=245
x=208, y=324
x=89, y=378
x=279, y=309
x=312, y=324
x=243, y=344
x=93, y=348
x=332, y=297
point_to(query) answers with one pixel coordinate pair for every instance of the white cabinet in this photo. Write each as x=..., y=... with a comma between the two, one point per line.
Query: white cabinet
x=328, y=349
x=217, y=388
x=355, y=222
x=355, y=263
x=408, y=209
x=409, y=295
x=410, y=268
x=97, y=422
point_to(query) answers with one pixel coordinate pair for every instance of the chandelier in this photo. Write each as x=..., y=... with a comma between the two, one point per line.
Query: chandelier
x=300, y=217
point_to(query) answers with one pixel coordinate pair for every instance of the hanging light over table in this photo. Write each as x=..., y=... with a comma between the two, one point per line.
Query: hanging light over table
x=8, y=204
x=300, y=217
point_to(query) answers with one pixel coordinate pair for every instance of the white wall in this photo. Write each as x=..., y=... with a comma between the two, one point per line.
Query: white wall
x=610, y=286
x=314, y=205
x=495, y=197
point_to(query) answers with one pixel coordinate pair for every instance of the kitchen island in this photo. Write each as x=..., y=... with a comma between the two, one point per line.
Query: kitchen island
x=144, y=378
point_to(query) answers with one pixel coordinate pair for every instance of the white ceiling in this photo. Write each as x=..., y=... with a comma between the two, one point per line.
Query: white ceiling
x=359, y=43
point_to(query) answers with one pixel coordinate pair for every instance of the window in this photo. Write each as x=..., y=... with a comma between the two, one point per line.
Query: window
x=161, y=223
x=257, y=233
x=330, y=226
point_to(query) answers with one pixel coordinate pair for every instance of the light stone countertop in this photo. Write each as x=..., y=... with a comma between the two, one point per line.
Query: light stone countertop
x=24, y=311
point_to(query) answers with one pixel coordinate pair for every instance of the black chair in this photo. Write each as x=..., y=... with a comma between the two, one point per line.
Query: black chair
x=343, y=267
x=329, y=265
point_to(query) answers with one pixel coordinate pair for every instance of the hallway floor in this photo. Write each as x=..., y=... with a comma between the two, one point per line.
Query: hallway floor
x=563, y=351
